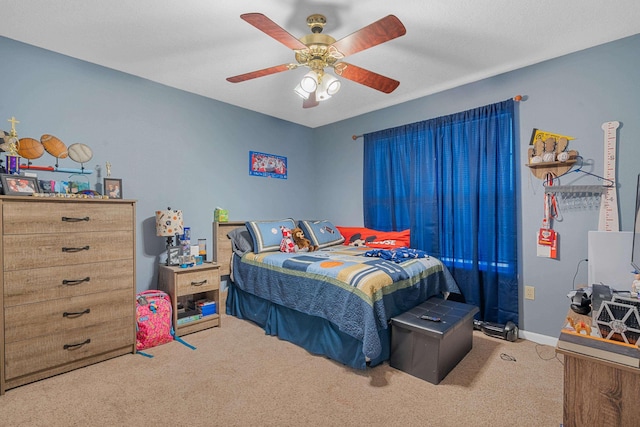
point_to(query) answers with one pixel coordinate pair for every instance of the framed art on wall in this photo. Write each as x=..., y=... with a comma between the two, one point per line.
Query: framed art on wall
x=267, y=165
x=113, y=188
x=18, y=185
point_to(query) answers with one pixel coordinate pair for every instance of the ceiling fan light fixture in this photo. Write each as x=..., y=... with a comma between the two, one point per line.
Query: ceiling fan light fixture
x=309, y=82
x=330, y=84
x=301, y=92
x=322, y=95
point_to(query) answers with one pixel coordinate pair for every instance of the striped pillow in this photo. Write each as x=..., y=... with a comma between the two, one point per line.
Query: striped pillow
x=321, y=233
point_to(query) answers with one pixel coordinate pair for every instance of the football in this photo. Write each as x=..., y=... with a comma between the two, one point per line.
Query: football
x=54, y=146
x=30, y=148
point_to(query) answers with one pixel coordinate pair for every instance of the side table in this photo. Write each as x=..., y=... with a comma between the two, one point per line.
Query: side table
x=192, y=284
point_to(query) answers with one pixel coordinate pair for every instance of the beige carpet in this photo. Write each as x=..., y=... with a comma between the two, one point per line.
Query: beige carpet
x=238, y=376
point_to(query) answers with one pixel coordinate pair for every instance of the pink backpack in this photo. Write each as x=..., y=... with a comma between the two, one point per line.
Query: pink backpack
x=154, y=319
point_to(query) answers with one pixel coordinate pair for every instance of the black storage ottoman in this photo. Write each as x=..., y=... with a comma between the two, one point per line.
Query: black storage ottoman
x=430, y=350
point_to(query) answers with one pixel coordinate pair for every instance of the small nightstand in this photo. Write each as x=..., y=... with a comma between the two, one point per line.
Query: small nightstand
x=193, y=283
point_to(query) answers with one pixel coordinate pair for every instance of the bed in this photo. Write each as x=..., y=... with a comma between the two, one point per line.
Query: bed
x=335, y=301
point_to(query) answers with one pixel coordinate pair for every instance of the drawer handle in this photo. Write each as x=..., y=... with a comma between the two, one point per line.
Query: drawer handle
x=199, y=283
x=76, y=313
x=74, y=346
x=84, y=248
x=68, y=219
x=75, y=282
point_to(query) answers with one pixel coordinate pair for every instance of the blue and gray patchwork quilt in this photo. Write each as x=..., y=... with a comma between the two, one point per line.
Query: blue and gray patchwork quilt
x=357, y=293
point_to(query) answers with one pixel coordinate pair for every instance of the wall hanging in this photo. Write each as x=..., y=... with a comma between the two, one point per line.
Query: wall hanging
x=267, y=165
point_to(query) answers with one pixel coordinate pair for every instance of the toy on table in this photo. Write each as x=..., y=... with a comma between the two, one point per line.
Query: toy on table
x=579, y=326
x=635, y=287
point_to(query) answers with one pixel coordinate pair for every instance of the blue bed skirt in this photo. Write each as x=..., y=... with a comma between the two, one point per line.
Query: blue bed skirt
x=315, y=334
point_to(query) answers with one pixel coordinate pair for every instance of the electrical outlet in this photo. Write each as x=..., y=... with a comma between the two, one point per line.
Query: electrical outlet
x=529, y=292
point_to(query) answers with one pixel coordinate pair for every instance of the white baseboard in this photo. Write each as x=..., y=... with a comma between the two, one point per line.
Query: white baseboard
x=538, y=338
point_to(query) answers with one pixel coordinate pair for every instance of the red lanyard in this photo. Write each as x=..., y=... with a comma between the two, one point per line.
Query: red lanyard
x=550, y=203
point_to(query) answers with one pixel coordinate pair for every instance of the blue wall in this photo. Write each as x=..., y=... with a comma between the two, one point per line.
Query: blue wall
x=170, y=147
x=173, y=148
x=571, y=95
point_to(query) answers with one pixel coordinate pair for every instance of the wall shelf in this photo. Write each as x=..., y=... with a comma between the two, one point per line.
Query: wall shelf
x=540, y=170
x=80, y=171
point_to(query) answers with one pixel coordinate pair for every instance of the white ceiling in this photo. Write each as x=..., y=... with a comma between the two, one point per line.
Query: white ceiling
x=195, y=45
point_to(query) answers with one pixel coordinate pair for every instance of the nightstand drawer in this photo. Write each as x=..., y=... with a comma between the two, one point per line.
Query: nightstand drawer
x=50, y=250
x=27, y=321
x=197, y=281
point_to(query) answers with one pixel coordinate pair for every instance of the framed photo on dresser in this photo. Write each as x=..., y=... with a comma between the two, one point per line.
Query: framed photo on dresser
x=173, y=255
x=18, y=185
x=113, y=188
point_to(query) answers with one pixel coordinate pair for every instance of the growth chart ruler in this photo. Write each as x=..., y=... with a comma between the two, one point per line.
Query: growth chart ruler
x=609, y=203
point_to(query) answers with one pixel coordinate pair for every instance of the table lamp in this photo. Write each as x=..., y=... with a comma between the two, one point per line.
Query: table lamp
x=168, y=224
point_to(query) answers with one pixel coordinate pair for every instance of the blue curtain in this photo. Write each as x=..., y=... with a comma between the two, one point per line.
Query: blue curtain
x=452, y=181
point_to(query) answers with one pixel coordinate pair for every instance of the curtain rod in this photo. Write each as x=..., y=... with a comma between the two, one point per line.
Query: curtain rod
x=516, y=98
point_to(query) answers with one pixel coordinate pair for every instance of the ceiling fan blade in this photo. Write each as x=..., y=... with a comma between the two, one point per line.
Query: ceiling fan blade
x=261, y=73
x=311, y=101
x=366, y=77
x=383, y=30
x=274, y=30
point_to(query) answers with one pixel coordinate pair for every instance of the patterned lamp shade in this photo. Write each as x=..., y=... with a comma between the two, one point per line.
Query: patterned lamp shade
x=169, y=223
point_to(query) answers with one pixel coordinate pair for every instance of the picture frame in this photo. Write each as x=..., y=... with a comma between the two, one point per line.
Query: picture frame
x=19, y=185
x=112, y=188
x=47, y=186
x=173, y=255
x=267, y=165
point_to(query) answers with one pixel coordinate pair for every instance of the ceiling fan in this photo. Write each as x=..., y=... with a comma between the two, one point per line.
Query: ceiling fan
x=318, y=51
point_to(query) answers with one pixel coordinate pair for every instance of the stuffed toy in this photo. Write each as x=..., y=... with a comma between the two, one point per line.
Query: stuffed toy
x=287, y=245
x=301, y=241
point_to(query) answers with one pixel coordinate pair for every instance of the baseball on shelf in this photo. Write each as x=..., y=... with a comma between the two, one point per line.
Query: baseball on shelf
x=80, y=153
x=548, y=157
x=536, y=159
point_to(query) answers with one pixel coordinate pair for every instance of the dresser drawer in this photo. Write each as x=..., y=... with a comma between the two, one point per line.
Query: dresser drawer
x=48, y=351
x=41, y=284
x=196, y=281
x=70, y=217
x=27, y=321
x=50, y=250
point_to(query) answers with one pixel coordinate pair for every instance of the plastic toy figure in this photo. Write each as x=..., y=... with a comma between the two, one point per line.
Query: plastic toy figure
x=635, y=287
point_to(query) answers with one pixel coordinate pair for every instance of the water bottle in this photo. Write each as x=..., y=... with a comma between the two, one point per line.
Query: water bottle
x=185, y=242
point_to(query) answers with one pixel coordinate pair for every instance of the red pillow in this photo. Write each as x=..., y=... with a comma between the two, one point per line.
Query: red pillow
x=361, y=236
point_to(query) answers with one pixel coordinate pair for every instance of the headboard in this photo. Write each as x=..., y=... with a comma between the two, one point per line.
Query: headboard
x=222, y=244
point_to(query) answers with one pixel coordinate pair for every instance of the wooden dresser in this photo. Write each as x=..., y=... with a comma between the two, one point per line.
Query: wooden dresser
x=598, y=392
x=68, y=285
